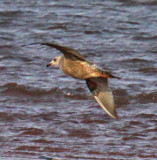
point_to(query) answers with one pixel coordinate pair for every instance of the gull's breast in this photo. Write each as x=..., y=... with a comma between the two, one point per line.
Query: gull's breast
x=78, y=69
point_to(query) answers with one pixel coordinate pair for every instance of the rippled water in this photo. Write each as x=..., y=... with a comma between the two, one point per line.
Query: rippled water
x=46, y=113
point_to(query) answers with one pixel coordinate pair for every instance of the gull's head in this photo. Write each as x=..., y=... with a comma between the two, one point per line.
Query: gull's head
x=55, y=61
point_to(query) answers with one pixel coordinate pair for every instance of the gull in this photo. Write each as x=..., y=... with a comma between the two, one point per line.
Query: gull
x=75, y=65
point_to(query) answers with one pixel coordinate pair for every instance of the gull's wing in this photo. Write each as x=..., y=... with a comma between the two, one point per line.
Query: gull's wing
x=103, y=95
x=68, y=52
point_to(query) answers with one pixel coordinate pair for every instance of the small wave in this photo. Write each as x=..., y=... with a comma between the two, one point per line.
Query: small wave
x=144, y=115
x=7, y=117
x=123, y=96
x=57, y=27
x=6, y=46
x=139, y=2
x=144, y=38
x=146, y=98
x=28, y=148
x=148, y=70
x=10, y=13
x=56, y=149
x=120, y=92
x=32, y=131
x=136, y=60
x=15, y=89
x=130, y=138
x=92, y=32
x=2, y=68
x=81, y=133
x=145, y=2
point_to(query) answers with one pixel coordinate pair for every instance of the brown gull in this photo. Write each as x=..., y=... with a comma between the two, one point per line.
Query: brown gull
x=74, y=64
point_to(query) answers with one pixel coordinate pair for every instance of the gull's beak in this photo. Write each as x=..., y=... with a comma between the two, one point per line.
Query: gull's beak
x=49, y=64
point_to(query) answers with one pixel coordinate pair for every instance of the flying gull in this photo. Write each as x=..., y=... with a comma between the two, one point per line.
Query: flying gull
x=74, y=64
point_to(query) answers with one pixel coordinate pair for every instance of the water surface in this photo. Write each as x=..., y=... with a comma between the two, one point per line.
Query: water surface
x=44, y=112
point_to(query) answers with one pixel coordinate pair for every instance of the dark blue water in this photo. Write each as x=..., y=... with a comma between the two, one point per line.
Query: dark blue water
x=46, y=113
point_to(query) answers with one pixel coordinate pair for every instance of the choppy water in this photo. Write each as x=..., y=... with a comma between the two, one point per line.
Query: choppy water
x=38, y=116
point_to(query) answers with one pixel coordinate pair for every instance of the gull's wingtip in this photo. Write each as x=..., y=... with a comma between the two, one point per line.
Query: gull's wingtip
x=116, y=116
x=110, y=110
x=113, y=115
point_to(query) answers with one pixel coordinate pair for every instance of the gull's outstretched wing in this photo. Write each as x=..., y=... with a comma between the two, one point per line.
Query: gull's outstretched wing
x=68, y=52
x=103, y=95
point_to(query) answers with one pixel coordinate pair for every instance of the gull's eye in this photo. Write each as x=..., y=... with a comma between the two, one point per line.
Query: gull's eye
x=54, y=60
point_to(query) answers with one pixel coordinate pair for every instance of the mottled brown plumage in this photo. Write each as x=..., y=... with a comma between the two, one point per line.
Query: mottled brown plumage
x=75, y=65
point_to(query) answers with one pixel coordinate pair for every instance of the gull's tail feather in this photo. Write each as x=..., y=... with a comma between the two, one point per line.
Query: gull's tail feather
x=115, y=77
